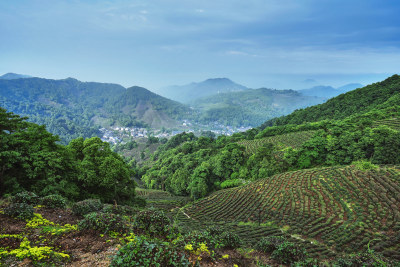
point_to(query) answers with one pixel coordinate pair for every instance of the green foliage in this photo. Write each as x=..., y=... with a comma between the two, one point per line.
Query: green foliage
x=104, y=222
x=230, y=240
x=364, y=165
x=101, y=173
x=22, y=211
x=357, y=101
x=86, y=206
x=232, y=183
x=269, y=244
x=120, y=209
x=153, y=223
x=54, y=201
x=26, y=198
x=142, y=252
x=361, y=259
x=288, y=252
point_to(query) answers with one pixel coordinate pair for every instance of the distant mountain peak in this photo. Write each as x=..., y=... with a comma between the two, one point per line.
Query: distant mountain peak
x=12, y=76
x=192, y=91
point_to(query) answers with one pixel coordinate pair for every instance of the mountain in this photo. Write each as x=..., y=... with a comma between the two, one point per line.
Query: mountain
x=250, y=107
x=190, y=92
x=12, y=76
x=329, y=91
x=354, y=102
x=71, y=108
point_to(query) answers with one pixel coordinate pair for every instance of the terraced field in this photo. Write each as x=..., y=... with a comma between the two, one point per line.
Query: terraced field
x=161, y=199
x=336, y=209
x=393, y=123
x=282, y=141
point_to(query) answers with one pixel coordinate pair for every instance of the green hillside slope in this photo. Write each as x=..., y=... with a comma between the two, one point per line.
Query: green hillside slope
x=251, y=107
x=340, y=208
x=357, y=101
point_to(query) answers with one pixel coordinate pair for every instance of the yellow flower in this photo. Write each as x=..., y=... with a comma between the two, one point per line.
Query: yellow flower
x=189, y=247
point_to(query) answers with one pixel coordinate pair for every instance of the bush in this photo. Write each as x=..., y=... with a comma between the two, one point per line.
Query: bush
x=142, y=252
x=19, y=210
x=139, y=202
x=86, y=206
x=288, y=252
x=54, y=201
x=121, y=210
x=196, y=237
x=25, y=197
x=152, y=222
x=230, y=240
x=309, y=262
x=269, y=244
x=104, y=222
x=360, y=259
x=214, y=230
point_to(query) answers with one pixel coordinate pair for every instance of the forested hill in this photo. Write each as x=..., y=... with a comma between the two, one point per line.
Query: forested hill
x=354, y=102
x=71, y=108
x=251, y=107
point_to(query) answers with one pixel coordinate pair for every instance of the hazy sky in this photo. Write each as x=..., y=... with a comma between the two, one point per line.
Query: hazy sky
x=154, y=43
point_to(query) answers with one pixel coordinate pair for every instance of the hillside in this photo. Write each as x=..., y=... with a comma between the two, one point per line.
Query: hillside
x=338, y=208
x=251, y=107
x=192, y=91
x=351, y=103
x=71, y=108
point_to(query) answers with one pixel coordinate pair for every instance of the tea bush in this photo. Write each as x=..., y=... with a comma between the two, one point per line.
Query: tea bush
x=153, y=222
x=230, y=240
x=142, y=252
x=362, y=259
x=104, y=222
x=25, y=197
x=288, y=252
x=120, y=209
x=269, y=244
x=86, y=206
x=54, y=201
x=19, y=210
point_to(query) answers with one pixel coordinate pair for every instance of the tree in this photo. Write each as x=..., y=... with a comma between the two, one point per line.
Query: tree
x=102, y=173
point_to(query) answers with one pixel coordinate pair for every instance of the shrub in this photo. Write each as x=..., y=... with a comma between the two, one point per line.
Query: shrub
x=288, y=252
x=139, y=202
x=25, y=197
x=214, y=230
x=360, y=259
x=152, y=222
x=121, y=210
x=142, y=252
x=309, y=262
x=20, y=210
x=104, y=222
x=54, y=201
x=86, y=206
x=230, y=240
x=196, y=238
x=269, y=244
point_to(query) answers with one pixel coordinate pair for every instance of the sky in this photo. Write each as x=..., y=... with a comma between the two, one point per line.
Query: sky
x=282, y=44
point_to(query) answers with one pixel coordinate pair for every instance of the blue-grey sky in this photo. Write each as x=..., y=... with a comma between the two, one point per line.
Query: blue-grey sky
x=154, y=43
